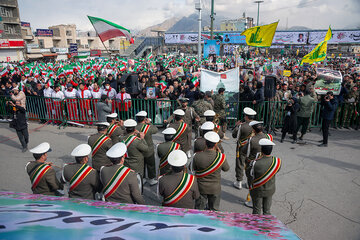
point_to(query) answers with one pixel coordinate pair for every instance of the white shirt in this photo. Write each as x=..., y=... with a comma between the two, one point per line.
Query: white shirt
x=83, y=94
x=59, y=95
x=48, y=92
x=111, y=93
x=70, y=94
x=96, y=94
x=122, y=96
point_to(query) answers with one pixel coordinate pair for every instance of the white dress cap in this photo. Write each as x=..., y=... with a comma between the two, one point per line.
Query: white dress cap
x=212, y=137
x=266, y=142
x=103, y=124
x=209, y=113
x=130, y=123
x=249, y=111
x=207, y=126
x=141, y=114
x=117, y=150
x=81, y=151
x=41, y=148
x=252, y=123
x=169, y=131
x=179, y=112
x=113, y=115
x=177, y=158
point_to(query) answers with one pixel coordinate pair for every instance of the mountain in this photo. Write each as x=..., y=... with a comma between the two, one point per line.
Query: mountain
x=162, y=26
x=190, y=23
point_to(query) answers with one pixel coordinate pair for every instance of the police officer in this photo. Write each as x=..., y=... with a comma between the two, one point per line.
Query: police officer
x=114, y=131
x=262, y=183
x=83, y=179
x=42, y=175
x=208, y=166
x=178, y=188
x=182, y=130
x=164, y=149
x=144, y=125
x=120, y=182
x=136, y=147
x=242, y=132
x=100, y=143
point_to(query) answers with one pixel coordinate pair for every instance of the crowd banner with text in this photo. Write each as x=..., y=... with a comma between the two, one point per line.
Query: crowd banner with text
x=328, y=80
x=290, y=38
x=211, y=47
x=348, y=36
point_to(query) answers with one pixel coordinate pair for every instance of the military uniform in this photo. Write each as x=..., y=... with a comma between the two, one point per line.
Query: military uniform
x=115, y=132
x=162, y=150
x=209, y=185
x=48, y=183
x=219, y=108
x=199, y=145
x=169, y=182
x=128, y=191
x=200, y=106
x=242, y=133
x=262, y=195
x=99, y=159
x=135, y=154
x=149, y=157
x=87, y=187
x=183, y=139
x=349, y=107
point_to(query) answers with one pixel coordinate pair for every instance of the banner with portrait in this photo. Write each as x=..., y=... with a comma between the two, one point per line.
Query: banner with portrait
x=211, y=47
x=328, y=80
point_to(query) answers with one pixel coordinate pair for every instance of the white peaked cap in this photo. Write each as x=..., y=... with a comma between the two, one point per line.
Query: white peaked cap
x=209, y=113
x=103, y=124
x=179, y=112
x=117, y=150
x=266, y=142
x=177, y=158
x=252, y=123
x=113, y=115
x=169, y=131
x=207, y=126
x=249, y=111
x=130, y=123
x=212, y=137
x=141, y=114
x=81, y=151
x=41, y=148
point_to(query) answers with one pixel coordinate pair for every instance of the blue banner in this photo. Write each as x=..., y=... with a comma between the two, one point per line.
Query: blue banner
x=44, y=33
x=211, y=47
x=233, y=38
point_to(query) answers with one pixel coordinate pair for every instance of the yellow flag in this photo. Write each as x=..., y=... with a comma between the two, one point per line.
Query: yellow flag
x=260, y=36
x=318, y=54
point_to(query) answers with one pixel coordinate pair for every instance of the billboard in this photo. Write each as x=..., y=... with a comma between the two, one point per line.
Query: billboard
x=350, y=36
x=25, y=24
x=290, y=38
x=44, y=33
x=211, y=47
x=73, y=49
x=233, y=38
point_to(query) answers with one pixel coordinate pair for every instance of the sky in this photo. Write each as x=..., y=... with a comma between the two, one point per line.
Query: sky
x=139, y=14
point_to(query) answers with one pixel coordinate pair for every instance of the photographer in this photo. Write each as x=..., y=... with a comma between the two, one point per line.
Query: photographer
x=329, y=105
x=19, y=122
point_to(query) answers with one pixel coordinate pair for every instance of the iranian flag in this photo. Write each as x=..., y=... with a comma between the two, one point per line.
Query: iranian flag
x=107, y=30
x=195, y=81
x=3, y=72
x=149, y=56
x=163, y=85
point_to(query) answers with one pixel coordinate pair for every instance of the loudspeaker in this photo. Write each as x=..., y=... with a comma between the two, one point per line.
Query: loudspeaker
x=132, y=84
x=270, y=87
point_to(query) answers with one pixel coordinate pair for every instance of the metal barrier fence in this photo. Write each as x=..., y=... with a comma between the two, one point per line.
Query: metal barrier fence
x=84, y=111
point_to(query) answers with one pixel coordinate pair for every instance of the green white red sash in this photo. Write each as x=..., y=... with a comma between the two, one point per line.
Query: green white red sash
x=244, y=140
x=274, y=168
x=215, y=165
x=163, y=160
x=269, y=136
x=116, y=181
x=181, y=129
x=130, y=139
x=111, y=129
x=38, y=175
x=101, y=140
x=181, y=190
x=145, y=128
x=79, y=176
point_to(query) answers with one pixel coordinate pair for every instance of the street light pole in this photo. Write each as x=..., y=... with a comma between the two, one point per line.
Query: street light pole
x=198, y=7
x=212, y=20
x=258, y=3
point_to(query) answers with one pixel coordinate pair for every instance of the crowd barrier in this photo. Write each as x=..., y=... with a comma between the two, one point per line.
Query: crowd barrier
x=84, y=111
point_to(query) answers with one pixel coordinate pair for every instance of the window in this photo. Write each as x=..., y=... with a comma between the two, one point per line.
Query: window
x=78, y=43
x=9, y=29
x=69, y=41
x=6, y=12
x=89, y=42
x=41, y=43
x=68, y=33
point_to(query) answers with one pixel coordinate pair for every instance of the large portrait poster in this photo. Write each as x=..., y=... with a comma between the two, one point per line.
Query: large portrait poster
x=328, y=80
x=211, y=47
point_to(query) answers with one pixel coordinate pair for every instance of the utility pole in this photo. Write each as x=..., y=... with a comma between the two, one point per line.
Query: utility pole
x=258, y=3
x=198, y=7
x=212, y=20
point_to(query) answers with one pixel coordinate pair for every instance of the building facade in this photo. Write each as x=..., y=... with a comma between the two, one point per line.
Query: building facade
x=11, y=42
x=237, y=24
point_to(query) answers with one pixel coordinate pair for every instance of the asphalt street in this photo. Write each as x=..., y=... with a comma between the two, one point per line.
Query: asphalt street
x=317, y=193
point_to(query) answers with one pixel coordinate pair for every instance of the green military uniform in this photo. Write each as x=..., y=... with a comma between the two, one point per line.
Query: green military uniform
x=183, y=139
x=48, y=183
x=115, y=134
x=199, y=144
x=200, y=106
x=221, y=134
x=262, y=195
x=219, y=108
x=100, y=159
x=135, y=154
x=87, y=188
x=209, y=185
x=169, y=182
x=128, y=191
x=349, y=107
x=303, y=116
x=242, y=133
x=163, y=149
